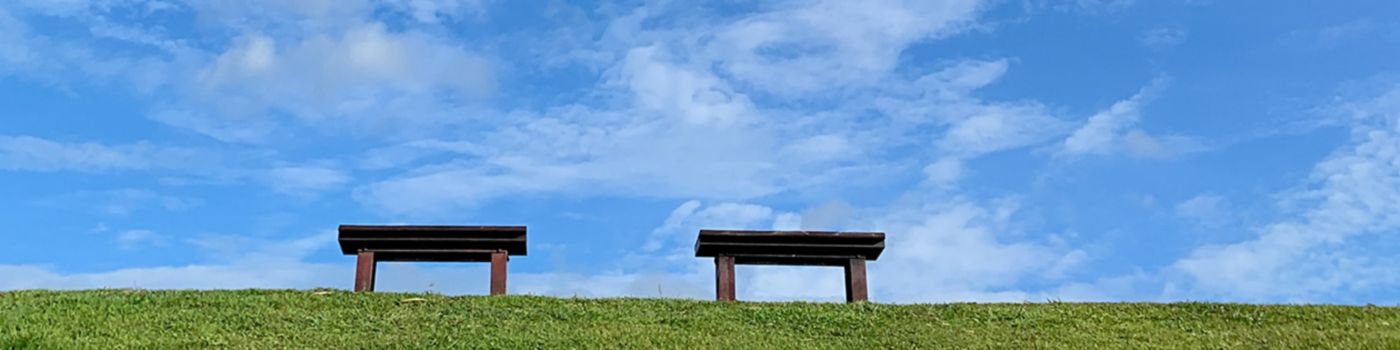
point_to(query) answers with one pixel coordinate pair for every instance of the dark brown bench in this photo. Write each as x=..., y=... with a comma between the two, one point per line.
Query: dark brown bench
x=813, y=248
x=374, y=244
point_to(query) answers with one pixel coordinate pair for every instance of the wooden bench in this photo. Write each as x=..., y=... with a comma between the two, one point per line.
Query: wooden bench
x=813, y=248
x=374, y=244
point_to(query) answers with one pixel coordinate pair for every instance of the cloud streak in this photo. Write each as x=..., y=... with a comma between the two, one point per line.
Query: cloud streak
x=1351, y=198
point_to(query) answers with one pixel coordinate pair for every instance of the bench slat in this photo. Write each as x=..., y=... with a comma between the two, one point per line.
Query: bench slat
x=790, y=247
x=401, y=240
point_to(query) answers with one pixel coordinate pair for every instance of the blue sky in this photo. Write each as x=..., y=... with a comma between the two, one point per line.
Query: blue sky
x=1012, y=150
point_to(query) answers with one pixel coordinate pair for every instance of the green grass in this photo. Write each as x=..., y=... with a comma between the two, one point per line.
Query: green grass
x=268, y=319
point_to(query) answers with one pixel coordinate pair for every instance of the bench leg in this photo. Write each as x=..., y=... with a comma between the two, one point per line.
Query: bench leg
x=364, y=271
x=498, y=272
x=724, y=278
x=855, y=281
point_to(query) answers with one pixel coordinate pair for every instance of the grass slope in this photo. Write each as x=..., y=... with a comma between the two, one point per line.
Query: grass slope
x=303, y=319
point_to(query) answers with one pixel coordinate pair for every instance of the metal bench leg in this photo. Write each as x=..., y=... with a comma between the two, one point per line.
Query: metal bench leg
x=364, y=271
x=855, y=281
x=724, y=278
x=498, y=272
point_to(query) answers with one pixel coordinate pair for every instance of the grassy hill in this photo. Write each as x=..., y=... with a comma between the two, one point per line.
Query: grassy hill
x=333, y=319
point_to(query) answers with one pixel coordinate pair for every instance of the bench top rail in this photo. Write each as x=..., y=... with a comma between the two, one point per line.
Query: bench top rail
x=790, y=247
x=432, y=243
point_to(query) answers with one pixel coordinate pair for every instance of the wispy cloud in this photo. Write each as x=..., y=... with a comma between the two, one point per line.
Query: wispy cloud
x=795, y=115
x=28, y=153
x=1162, y=38
x=678, y=118
x=302, y=180
x=1350, y=199
x=1209, y=210
x=336, y=67
x=135, y=239
x=1114, y=131
x=118, y=202
x=257, y=264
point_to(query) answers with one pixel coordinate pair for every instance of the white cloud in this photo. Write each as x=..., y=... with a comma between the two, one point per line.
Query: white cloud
x=445, y=189
x=364, y=78
x=452, y=280
x=1100, y=6
x=1357, y=31
x=133, y=239
x=945, y=171
x=1326, y=250
x=818, y=45
x=971, y=127
x=1139, y=143
x=118, y=202
x=940, y=252
x=675, y=115
x=653, y=157
x=410, y=152
x=589, y=152
x=1162, y=38
x=1135, y=286
x=991, y=128
x=1209, y=210
x=33, y=55
x=683, y=223
x=320, y=15
x=358, y=59
x=956, y=81
x=788, y=222
x=323, y=64
x=179, y=277
x=832, y=215
x=1112, y=131
x=795, y=98
x=257, y=264
x=28, y=153
x=821, y=148
x=676, y=105
x=962, y=251
x=14, y=51
x=1101, y=132
x=954, y=250
x=675, y=92
x=304, y=179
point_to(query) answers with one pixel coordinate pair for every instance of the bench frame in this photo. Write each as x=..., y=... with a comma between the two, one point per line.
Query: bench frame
x=849, y=250
x=374, y=244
